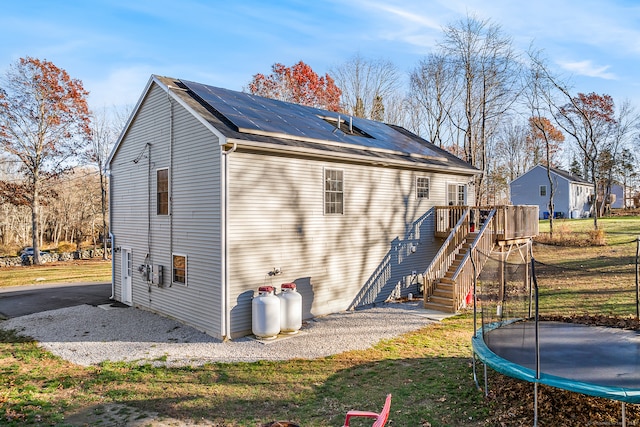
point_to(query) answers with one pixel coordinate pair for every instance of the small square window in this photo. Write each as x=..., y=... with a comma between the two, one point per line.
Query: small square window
x=422, y=187
x=179, y=272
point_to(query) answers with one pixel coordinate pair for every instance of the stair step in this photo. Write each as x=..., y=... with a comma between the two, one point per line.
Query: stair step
x=447, y=287
x=443, y=293
x=438, y=307
x=440, y=300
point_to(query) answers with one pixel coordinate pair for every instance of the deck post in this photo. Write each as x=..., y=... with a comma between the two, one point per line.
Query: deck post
x=502, y=281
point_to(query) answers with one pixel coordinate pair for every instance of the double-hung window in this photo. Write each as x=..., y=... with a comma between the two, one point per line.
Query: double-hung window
x=179, y=269
x=543, y=191
x=422, y=187
x=333, y=191
x=162, y=191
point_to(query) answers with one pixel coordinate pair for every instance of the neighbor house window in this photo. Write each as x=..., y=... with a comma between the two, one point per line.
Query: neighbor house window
x=180, y=269
x=333, y=191
x=162, y=191
x=422, y=187
x=543, y=190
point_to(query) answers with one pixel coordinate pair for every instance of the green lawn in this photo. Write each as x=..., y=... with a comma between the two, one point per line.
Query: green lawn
x=59, y=272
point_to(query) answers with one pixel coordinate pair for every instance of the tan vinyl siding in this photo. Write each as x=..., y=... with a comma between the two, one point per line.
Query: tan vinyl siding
x=193, y=227
x=276, y=219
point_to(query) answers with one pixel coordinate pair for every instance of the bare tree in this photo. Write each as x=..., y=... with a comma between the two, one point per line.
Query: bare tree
x=488, y=71
x=368, y=86
x=105, y=129
x=615, y=155
x=44, y=122
x=511, y=149
x=433, y=87
x=541, y=97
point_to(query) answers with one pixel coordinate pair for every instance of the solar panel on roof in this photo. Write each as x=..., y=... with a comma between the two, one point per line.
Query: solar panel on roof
x=259, y=115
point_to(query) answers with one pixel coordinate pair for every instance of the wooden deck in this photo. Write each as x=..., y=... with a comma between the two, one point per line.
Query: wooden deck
x=470, y=234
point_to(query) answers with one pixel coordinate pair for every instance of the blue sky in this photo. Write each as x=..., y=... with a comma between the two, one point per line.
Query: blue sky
x=114, y=46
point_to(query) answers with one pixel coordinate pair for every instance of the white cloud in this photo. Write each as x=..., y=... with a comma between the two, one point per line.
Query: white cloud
x=587, y=68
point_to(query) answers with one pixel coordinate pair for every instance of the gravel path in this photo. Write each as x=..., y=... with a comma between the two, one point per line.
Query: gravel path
x=87, y=335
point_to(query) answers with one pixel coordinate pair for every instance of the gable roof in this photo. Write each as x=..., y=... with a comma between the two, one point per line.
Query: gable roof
x=271, y=125
x=561, y=173
x=568, y=176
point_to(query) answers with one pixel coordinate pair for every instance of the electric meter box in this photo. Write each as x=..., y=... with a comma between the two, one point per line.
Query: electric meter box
x=156, y=274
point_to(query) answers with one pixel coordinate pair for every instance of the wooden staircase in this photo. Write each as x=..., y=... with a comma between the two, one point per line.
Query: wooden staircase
x=442, y=298
x=470, y=234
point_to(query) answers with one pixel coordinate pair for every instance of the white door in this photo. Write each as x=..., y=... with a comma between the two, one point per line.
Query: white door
x=127, y=270
x=456, y=194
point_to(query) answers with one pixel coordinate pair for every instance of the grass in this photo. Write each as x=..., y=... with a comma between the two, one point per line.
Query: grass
x=429, y=371
x=57, y=272
x=617, y=229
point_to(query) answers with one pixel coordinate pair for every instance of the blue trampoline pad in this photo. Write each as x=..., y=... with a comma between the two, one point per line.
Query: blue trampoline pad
x=594, y=360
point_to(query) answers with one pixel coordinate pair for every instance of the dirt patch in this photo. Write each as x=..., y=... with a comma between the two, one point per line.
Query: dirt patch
x=119, y=415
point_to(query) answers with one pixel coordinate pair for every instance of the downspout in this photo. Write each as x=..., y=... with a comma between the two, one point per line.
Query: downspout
x=170, y=201
x=112, y=237
x=226, y=311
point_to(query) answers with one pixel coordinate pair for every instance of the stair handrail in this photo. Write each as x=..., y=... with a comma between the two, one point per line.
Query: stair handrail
x=485, y=240
x=445, y=255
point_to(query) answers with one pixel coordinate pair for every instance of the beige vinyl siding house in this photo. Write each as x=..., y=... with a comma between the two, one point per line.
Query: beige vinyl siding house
x=247, y=207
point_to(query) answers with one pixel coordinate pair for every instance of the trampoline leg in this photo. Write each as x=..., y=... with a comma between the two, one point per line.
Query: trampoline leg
x=486, y=382
x=624, y=415
x=535, y=404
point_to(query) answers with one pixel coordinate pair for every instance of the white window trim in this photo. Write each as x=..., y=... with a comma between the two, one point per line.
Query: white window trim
x=428, y=187
x=457, y=184
x=540, y=190
x=186, y=269
x=324, y=192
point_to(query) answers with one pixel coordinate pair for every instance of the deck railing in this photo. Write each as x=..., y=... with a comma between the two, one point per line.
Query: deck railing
x=479, y=250
x=512, y=222
x=516, y=222
x=446, y=255
x=496, y=225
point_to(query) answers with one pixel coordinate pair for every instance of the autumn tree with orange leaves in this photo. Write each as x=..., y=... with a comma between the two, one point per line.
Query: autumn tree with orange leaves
x=543, y=141
x=298, y=84
x=44, y=124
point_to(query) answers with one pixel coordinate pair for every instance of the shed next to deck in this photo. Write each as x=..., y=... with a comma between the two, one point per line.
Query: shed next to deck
x=215, y=193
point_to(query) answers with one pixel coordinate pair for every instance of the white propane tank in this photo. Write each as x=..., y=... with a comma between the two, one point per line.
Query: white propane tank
x=265, y=310
x=290, y=309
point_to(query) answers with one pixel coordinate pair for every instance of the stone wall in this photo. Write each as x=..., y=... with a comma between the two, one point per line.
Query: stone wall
x=12, y=261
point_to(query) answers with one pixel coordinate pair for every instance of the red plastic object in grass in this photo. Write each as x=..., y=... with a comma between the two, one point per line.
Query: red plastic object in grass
x=380, y=419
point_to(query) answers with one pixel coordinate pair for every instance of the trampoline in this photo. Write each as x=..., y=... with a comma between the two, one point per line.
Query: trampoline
x=514, y=340
x=594, y=360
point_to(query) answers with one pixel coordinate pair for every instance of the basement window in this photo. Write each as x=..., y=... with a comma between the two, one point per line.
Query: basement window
x=333, y=191
x=422, y=187
x=179, y=269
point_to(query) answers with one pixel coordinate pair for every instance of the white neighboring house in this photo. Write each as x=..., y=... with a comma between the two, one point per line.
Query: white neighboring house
x=215, y=193
x=572, y=199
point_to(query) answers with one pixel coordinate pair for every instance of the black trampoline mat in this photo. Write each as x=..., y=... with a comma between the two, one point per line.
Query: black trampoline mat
x=584, y=353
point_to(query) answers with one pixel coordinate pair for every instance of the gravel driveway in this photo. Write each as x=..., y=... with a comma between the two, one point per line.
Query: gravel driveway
x=87, y=335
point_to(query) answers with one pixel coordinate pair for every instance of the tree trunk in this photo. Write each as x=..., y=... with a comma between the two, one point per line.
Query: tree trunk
x=35, y=215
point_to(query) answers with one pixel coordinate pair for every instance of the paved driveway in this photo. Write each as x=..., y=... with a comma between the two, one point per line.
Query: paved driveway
x=18, y=301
